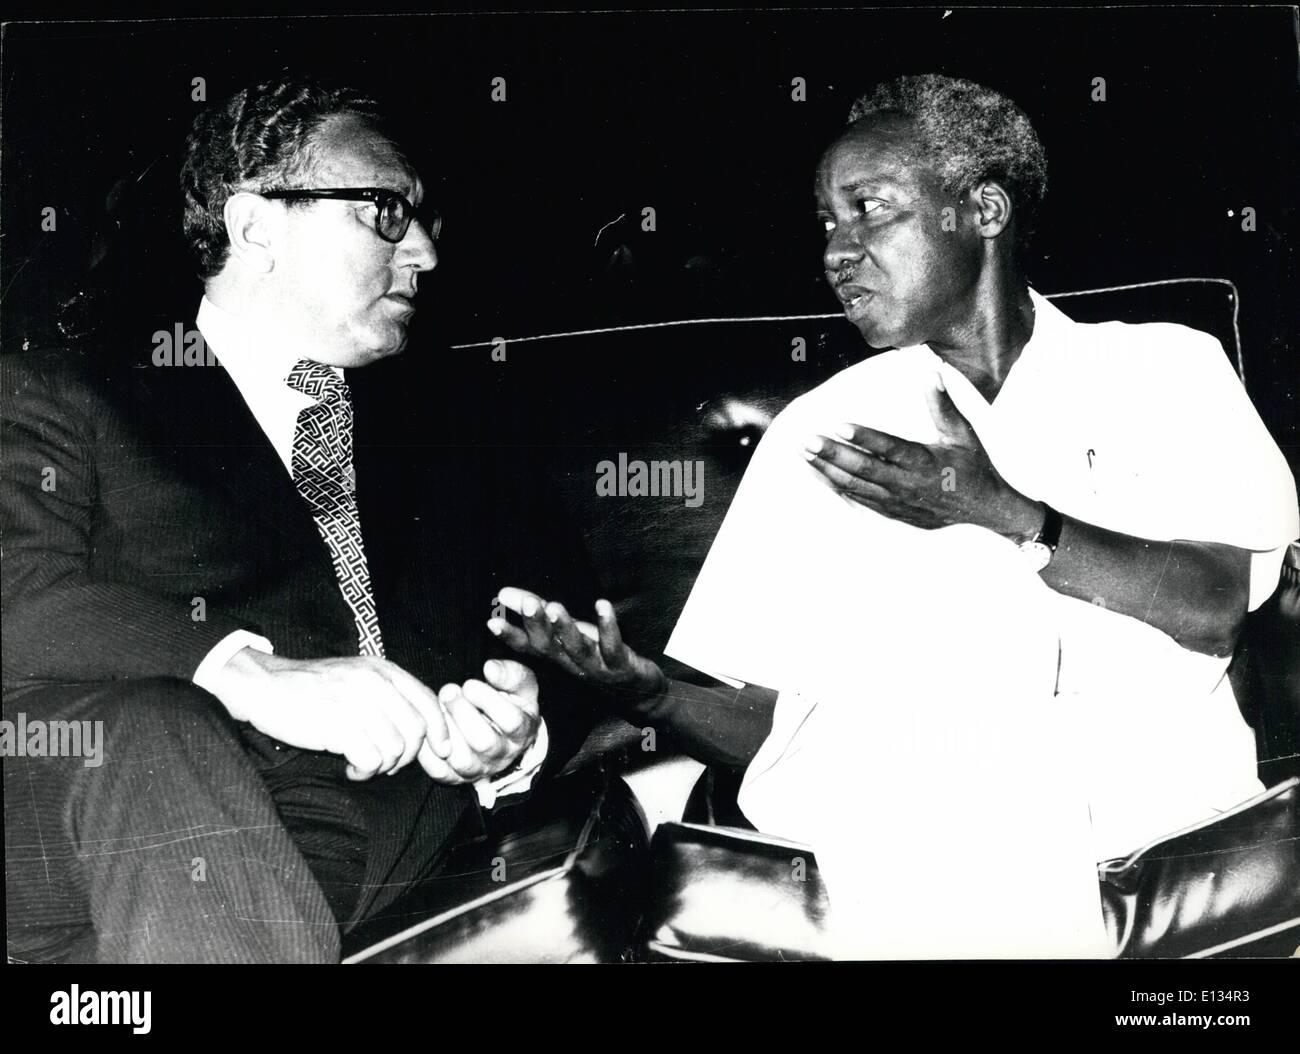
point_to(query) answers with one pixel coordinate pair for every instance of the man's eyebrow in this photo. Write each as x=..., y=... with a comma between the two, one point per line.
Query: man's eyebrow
x=412, y=189
x=400, y=180
x=857, y=185
x=402, y=187
x=868, y=184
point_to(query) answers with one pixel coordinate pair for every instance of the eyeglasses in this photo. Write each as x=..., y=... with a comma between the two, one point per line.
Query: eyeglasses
x=393, y=213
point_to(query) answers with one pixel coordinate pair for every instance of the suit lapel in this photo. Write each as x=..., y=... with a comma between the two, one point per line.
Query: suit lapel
x=201, y=410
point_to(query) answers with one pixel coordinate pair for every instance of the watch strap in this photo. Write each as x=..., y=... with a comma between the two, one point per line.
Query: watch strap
x=1050, y=533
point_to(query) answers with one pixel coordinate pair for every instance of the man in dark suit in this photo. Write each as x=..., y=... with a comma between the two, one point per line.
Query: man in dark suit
x=248, y=583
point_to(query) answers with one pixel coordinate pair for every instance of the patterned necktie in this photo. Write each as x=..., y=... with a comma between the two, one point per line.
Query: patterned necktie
x=322, y=472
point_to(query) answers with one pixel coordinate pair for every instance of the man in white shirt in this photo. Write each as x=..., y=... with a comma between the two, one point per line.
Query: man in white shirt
x=252, y=602
x=989, y=581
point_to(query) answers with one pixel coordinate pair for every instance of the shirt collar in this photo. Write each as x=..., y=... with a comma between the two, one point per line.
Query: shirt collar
x=252, y=349
x=1051, y=329
x=1050, y=334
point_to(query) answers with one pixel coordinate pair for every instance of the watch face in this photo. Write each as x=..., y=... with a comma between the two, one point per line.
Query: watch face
x=1038, y=554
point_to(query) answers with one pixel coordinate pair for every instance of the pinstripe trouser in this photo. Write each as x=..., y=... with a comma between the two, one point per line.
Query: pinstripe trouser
x=191, y=843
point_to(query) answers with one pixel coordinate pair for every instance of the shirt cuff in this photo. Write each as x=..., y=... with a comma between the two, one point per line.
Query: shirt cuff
x=223, y=651
x=519, y=779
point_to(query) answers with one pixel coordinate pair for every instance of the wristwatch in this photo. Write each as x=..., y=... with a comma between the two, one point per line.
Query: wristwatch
x=1040, y=548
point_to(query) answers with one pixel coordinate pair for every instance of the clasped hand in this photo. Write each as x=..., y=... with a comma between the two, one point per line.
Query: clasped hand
x=380, y=718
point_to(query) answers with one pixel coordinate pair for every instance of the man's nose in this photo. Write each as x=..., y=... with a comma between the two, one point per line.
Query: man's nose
x=842, y=249
x=417, y=250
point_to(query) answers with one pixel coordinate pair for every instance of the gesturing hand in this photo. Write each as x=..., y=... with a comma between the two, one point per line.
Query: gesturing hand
x=489, y=725
x=593, y=652
x=950, y=482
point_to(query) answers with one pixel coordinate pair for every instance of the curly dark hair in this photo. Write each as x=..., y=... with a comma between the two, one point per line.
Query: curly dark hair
x=260, y=137
x=967, y=133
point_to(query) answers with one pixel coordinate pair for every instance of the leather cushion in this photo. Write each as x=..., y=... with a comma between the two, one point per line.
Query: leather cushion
x=560, y=878
x=1226, y=886
x=1229, y=884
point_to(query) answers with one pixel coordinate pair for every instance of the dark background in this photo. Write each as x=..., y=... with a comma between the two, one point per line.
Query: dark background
x=690, y=113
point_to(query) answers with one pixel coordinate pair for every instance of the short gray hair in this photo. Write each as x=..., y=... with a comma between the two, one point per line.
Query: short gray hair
x=968, y=134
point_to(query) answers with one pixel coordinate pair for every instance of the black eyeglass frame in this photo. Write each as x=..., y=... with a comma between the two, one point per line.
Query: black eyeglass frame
x=377, y=196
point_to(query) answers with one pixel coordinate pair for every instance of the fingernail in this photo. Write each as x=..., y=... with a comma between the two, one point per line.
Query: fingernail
x=604, y=608
x=552, y=613
x=492, y=668
x=528, y=607
x=845, y=431
x=814, y=445
x=494, y=627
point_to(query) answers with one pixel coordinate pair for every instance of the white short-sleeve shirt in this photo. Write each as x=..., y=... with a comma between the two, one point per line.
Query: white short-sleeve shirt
x=1141, y=429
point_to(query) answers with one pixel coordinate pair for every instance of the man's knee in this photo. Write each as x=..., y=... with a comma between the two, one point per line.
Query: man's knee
x=166, y=714
x=120, y=760
x=169, y=789
x=85, y=720
x=98, y=765
x=166, y=750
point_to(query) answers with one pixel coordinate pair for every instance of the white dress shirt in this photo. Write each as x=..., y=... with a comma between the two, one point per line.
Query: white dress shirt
x=258, y=355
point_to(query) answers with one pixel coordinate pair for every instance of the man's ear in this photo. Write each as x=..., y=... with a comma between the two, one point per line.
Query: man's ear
x=254, y=225
x=992, y=208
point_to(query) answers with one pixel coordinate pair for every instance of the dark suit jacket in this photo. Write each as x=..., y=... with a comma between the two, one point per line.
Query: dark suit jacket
x=130, y=491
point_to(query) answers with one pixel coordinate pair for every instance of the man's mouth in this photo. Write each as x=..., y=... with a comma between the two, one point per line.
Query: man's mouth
x=854, y=298
x=405, y=300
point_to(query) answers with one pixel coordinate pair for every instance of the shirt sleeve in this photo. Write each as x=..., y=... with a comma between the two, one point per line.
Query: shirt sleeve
x=727, y=628
x=225, y=650
x=776, y=570
x=1195, y=461
x=520, y=779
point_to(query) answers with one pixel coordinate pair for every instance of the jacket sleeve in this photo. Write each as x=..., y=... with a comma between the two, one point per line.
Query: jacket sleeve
x=59, y=622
